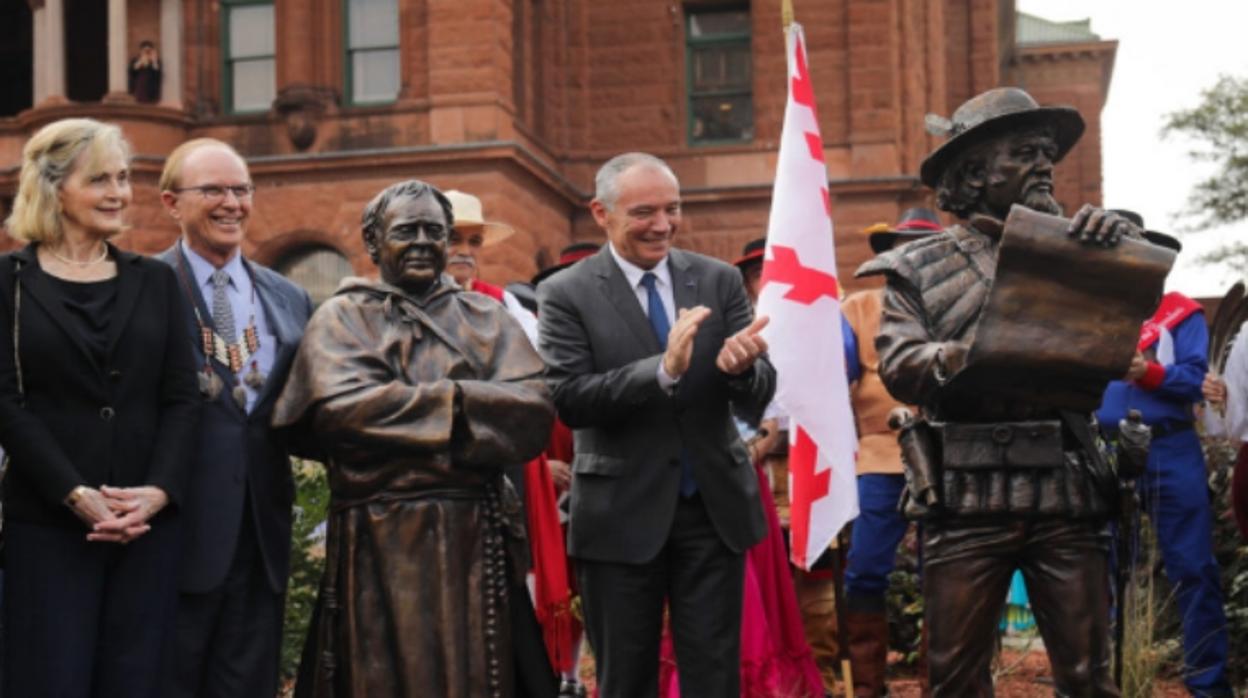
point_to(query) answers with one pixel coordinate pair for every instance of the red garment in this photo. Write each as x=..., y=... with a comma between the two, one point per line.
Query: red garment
x=775, y=659
x=1174, y=309
x=495, y=292
x=1239, y=491
x=560, y=447
x=553, y=603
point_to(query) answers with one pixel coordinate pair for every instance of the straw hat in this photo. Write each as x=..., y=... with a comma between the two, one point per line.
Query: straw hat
x=469, y=216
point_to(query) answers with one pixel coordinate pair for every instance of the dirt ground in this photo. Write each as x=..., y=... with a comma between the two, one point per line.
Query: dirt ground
x=1025, y=675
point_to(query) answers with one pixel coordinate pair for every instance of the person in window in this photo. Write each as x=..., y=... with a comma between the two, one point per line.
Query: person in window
x=98, y=410
x=145, y=74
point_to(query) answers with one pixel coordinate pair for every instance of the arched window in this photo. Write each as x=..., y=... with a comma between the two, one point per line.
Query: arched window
x=317, y=269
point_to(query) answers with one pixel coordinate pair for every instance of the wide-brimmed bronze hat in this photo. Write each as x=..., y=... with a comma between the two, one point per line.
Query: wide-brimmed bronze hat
x=989, y=114
x=469, y=216
x=1157, y=238
x=915, y=223
x=567, y=257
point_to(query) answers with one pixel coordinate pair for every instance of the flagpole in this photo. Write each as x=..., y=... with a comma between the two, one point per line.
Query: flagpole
x=837, y=549
x=786, y=13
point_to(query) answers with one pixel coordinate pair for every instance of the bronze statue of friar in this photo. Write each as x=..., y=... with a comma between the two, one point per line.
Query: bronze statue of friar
x=417, y=394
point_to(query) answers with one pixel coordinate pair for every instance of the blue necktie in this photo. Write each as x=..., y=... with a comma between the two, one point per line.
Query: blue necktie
x=661, y=327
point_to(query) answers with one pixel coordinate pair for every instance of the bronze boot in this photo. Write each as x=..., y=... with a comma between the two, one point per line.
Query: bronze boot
x=925, y=686
x=867, y=633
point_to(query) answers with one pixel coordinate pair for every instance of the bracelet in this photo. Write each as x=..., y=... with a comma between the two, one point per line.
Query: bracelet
x=71, y=500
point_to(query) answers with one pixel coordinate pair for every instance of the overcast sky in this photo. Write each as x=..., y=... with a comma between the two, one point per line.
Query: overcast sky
x=1167, y=53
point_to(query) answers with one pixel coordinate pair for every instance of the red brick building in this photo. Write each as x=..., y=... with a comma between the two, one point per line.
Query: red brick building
x=519, y=101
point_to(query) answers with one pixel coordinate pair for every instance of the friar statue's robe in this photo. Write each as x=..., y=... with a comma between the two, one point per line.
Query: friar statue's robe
x=415, y=405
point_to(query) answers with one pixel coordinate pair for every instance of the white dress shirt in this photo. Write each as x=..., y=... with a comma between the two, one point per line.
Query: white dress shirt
x=663, y=276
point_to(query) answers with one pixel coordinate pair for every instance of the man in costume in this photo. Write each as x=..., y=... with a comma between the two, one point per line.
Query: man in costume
x=647, y=348
x=1171, y=361
x=245, y=325
x=418, y=394
x=472, y=233
x=880, y=526
x=1001, y=151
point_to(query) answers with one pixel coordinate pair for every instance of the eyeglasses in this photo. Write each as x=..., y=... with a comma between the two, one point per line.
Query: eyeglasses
x=216, y=192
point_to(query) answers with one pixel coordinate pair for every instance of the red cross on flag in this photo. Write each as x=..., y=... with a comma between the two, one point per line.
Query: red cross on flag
x=801, y=296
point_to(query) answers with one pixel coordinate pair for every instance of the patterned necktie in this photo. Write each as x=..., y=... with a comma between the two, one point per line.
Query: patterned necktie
x=659, y=323
x=222, y=311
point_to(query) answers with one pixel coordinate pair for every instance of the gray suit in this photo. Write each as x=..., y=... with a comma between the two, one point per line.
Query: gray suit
x=635, y=539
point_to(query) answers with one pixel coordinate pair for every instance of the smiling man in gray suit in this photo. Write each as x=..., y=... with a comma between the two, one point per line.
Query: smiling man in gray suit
x=245, y=325
x=649, y=350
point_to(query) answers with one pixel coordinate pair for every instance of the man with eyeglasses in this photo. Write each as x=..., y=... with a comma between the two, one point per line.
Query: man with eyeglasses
x=245, y=325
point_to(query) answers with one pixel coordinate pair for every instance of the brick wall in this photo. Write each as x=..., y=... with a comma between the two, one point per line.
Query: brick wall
x=520, y=101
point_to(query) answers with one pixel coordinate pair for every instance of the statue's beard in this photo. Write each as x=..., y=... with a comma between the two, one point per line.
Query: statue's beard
x=1041, y=199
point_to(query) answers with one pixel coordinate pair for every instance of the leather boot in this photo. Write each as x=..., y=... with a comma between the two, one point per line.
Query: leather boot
x=867, y=633
x=816, y=596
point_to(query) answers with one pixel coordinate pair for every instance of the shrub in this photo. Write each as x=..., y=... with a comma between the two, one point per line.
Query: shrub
x=307, y=558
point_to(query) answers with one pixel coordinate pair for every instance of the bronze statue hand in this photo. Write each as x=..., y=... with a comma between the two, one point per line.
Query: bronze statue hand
x=1096, y=226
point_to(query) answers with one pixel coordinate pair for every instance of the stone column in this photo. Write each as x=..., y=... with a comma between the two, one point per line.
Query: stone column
x=171, y=53
x=52, y=51
x=38, y=16
x=118, y=90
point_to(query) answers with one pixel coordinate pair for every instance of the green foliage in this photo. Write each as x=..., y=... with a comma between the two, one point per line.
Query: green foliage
x=1220, y=125
x=905, y=600
x=307, y=560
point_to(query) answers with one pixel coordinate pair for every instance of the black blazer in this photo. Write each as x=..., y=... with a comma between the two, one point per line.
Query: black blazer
x=602, y=361
x=239, y=460
x=126, y=423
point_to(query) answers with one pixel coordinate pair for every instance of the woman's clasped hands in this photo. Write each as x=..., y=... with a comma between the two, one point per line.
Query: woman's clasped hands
x=117, y=514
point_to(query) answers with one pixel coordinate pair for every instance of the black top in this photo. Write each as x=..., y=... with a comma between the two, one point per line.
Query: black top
x=90, y=307
x=127, y=420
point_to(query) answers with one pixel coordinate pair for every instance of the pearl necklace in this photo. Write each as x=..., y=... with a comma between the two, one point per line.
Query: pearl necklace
x=75, y=263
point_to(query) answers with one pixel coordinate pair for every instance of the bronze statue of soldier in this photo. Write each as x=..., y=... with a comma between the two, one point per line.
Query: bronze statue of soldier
x=416, y=394
x=1020, y=484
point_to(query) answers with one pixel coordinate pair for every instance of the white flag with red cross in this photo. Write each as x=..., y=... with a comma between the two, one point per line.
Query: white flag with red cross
x=801, y=295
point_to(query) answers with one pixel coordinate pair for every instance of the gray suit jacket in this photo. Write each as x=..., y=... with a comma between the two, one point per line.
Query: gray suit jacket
x=602, y=363
x=239, y=460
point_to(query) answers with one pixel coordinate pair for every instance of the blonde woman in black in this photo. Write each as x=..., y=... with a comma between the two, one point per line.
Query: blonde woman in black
x=97, y=411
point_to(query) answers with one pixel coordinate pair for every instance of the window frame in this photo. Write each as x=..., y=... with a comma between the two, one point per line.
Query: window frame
x=692, y=43
x=348, y=79
x=227, y=59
